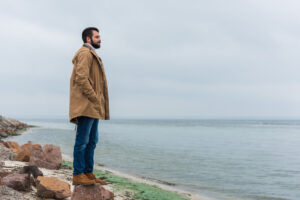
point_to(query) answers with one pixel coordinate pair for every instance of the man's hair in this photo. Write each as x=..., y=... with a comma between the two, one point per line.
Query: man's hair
x=88, y=32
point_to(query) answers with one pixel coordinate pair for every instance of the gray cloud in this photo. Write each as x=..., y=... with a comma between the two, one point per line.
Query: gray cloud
x=162, y=58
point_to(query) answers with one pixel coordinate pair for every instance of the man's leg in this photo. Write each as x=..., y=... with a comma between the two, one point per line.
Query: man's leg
x=82, y=138
x=89, y=154
x=90, y=148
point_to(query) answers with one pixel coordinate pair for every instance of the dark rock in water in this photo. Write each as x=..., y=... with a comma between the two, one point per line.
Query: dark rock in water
x=19, y=182
x=50, y=187
x=91, y=192
x=34, y=170
x=3, y=134
x=49, y=157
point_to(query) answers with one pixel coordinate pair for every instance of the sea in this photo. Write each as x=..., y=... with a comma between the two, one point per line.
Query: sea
x=221, y=159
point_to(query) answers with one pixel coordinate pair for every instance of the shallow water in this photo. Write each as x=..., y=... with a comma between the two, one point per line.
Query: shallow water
x=224, y=159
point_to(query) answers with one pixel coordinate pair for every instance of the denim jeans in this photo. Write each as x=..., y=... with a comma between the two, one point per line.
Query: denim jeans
x=85, y=144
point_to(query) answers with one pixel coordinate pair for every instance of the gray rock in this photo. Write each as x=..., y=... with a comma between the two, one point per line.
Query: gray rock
x=7, y=193
x=4, y=135
x=6, y=153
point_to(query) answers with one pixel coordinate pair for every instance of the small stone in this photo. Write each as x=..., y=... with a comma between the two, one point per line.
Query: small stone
x=3, y=134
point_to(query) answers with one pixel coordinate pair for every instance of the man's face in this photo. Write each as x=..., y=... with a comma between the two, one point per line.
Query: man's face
x=96, y=41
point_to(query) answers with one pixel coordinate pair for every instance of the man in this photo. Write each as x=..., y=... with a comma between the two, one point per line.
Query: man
x=88, y=104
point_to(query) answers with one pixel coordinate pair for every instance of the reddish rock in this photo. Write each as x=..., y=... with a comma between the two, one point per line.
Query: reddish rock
x=50, y=187
x=19, y=182
x=53, y=154
x=26, y=151
x=38, y=158
x=91, y=192
x=14, y=146
x=49, y=157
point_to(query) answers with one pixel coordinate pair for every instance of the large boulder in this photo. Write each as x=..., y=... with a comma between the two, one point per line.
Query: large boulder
x=19, y=182
x=26, y=151
x=53, y=154
x=49, y=157
x=50, y=187
x=91, y=192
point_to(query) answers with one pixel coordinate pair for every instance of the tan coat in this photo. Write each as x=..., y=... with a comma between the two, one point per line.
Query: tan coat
x=88, y=87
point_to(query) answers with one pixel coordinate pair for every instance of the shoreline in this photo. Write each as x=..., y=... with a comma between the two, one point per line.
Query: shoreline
x=185, y=193
x=134, y=178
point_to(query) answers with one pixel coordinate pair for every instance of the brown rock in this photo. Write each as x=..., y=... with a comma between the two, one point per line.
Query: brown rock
x=50, y=157
x=19, y=182
x=91, y=192
x=50, y=187
x=26, y=151
x=14, y=146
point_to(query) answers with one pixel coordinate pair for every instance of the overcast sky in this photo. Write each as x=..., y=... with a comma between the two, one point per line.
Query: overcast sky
x=163, y=59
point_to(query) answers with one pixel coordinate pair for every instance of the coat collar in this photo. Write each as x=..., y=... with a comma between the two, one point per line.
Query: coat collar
x=94, y=53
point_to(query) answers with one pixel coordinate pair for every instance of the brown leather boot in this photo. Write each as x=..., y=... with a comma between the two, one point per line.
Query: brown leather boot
x=91, y=176
x=82, y=179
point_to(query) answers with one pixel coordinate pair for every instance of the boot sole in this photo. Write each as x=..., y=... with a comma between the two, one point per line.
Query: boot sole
x=101, y=183
x=83, y=183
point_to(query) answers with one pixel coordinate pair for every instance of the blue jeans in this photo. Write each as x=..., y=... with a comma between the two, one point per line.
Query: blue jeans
x=85, y=144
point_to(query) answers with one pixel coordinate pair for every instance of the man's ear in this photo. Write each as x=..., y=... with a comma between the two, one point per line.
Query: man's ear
x=88, y=39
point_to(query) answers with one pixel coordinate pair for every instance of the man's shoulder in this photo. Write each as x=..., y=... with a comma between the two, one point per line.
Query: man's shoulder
x=84, y=51
x=82, y=54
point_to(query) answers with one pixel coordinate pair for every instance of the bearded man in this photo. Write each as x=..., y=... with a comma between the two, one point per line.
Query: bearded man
x=88, y=103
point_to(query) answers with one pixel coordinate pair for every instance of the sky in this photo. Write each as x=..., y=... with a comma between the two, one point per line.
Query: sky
x=163, y=59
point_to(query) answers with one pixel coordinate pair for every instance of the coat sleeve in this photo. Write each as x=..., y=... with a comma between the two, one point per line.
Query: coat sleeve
x=83, y=65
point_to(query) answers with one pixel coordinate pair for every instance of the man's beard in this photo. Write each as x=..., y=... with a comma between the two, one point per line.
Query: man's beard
x=95, y=45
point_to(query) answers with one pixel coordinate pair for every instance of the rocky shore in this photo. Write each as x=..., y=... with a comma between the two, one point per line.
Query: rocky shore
x=31, y=171
x=11, y=127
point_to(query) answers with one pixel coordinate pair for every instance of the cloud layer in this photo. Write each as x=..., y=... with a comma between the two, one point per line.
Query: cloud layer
x=163, y=59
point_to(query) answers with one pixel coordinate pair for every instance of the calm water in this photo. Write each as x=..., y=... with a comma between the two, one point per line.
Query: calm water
x=224, y=159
